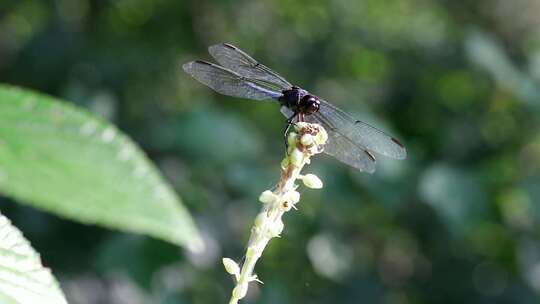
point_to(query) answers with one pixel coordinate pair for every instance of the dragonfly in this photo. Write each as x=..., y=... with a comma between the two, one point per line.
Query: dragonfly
x=351, y=141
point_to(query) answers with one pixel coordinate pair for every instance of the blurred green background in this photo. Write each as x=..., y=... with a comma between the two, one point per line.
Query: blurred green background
x=458, y=82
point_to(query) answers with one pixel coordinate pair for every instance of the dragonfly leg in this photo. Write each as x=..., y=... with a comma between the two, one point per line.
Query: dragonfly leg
x=287, y=129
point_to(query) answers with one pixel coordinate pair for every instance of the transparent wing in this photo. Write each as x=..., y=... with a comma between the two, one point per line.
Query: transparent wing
x=228, y=82
x=341, y=147
x=360, y=133
x=236, y=60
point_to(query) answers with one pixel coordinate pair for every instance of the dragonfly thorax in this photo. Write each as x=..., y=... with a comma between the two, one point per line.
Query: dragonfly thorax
x=299, y=101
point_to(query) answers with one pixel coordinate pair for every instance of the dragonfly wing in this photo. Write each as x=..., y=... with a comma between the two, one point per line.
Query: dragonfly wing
x=362, y=134
x=236, y=60
x=341, y=147
x=228, y=82
x=286, y=111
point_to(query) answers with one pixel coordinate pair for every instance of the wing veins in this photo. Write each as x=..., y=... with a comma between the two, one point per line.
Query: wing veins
x=227, y=82
x=368, y=167
x=240, y=62
x=336, y=130
x=369, y=137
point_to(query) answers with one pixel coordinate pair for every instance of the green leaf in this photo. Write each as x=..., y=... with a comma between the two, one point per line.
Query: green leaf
x=61, y=159
x=22, y=277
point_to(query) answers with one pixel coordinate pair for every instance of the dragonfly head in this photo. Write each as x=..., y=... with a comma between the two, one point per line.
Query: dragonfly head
x=309, y=104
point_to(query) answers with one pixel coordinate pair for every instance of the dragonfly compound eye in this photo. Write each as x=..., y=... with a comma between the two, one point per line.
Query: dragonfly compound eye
x=312, y=105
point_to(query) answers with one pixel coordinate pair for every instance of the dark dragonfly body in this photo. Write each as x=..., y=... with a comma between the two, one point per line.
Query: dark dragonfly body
x=300, y=102
x=350, y=141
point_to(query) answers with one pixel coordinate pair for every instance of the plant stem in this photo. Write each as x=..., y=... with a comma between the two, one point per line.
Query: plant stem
x=306, y=142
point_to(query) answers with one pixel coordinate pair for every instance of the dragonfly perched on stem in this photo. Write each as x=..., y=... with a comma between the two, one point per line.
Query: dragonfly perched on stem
x=351, y=141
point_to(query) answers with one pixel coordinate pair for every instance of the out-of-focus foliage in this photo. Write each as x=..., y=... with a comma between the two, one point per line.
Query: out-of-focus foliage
x=23, y=278
x=62, y=160
x=457, y=81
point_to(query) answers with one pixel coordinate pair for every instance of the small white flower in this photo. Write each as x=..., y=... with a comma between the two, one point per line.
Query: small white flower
x=286, y=206
x=277, y=228
x=296, y=157
x=312, y=181
x=291, y=139
x=267, y=197
x=292, y=196
x=300, y=125
x=321, y=137
x=231, y=267
x=307, y=139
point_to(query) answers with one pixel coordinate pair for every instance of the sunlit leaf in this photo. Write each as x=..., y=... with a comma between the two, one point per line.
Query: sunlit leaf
x=23, y=280
x=61, y=159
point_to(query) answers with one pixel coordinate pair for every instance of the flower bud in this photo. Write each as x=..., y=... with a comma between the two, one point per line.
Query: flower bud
x=277, y=228
x=267, y=197
x=307, y=139
x=312, y=181
x=300, y=125
x=291, y=139
x=231, y=267
x=285, y=163
x=321, y=137
x=296, y=157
